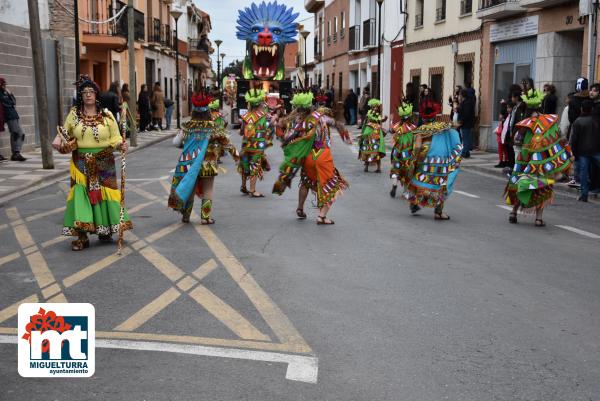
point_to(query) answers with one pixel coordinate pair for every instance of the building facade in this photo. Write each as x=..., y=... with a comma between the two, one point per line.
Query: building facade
x=443, y=47
x=545, y=40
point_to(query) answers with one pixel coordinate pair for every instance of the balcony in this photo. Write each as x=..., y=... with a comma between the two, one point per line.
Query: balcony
x=199, y=53
x=542, y=3
x=498, y=9
x=466, y=7
x=104, y=36
x=312, y=6
x=354, y=38
x=139, y=23
x=342, y=33
x=369, y=33
x=418, y=20
x=334, y=37
x=154, y=32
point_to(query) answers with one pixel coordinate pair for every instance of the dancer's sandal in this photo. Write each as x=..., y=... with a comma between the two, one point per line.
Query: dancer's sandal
x=300, y=213
x=256, y=195
x=393, y=191
x=323, y=220
x=206, y=222
x=105, y=239
x=414, y=208
x=244, y=190
x=512, y=218
x=80, y=244
x=378, y=170
x=441, y=216
x=540, y=223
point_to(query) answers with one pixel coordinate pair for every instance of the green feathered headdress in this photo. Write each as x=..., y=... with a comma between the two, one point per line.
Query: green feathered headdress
x=302, y=100
x=214, y=105
x=405, y=110
x=372, y=115
x=255, y=97
x=374, y=102
x=533, y=98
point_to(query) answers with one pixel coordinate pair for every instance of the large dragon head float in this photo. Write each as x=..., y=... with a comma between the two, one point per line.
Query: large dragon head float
x=266, y=28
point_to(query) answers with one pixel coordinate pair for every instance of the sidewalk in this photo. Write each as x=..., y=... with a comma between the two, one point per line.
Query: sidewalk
x=20, y=178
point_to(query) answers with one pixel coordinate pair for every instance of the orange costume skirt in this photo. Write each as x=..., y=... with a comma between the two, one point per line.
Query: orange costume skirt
x=320, y=175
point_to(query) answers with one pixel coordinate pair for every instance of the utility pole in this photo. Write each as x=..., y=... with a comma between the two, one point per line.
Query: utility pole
x=40, y=83
x=132, y=83
x=76, y=12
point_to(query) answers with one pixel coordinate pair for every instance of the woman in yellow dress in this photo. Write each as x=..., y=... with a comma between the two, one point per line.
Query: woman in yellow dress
x=94, y=201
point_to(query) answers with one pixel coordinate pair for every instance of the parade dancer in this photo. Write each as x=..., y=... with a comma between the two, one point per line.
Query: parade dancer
x=94, y=200
x=434, y=152
x=401, y=151
x=307, y=147
x=541, y=155
x=219, y=121
x=256, y=135
x=372, y=141
x=197, y=166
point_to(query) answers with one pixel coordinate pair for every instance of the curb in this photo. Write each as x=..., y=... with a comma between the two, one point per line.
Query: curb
x=52, y=178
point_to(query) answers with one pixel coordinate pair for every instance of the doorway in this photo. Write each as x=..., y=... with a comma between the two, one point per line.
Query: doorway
x=150, y=75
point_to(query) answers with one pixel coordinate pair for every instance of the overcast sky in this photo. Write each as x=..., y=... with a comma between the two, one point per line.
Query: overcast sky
x=223, y=14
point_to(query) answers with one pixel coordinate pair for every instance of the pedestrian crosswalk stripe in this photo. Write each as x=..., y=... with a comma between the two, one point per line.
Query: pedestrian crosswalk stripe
x=580, y=232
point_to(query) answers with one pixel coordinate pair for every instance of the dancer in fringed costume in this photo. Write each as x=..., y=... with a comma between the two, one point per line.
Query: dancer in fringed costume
x=276, y=113
x=541, y=154
x=400, y=156
x=307, y=146
x=94, y=200
x=372, y=140
x=434, y=163
x=197, y=166
x=256, y=137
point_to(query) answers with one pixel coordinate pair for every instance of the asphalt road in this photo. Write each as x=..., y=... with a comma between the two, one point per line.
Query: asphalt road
x=387, y=306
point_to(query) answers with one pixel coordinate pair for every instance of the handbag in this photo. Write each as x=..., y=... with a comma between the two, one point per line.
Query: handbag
x=178, y=139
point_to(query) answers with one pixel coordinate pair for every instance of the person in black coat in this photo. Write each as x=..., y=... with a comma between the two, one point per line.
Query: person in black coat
x=550, y=102
x=144, y=108
x=585, y=143
x=111, y=100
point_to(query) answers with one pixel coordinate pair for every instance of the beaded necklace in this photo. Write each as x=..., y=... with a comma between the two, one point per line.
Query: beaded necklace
x=91, y=122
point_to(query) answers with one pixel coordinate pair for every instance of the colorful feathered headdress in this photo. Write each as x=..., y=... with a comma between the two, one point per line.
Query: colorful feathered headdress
x=533, y=98
x=374, y=103
x=201, y=100
x=214, y=105
x=254, y=97
x=405, y=110
x=302, y=100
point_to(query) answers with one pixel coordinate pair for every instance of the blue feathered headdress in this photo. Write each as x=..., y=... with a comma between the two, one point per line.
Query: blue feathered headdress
x=270, y=15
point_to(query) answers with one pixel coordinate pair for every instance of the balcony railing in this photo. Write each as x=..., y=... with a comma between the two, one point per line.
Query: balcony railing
x=335, y=36
x=154, y=31
x=342, y=33
x=483, y=4
x=105, y=9
x=317, y=47
x=139, y=22
x=167, y=39
x=199, y=45
x=418, y=20
x=466, y=7
x=328, y=39
x=369, y=32
x=354, y=37
x=440, y=14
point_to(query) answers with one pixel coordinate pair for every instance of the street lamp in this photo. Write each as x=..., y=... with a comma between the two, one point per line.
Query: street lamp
x=218, y=43
x=176, y=13
x=379, y=69
x=304, y=36
x=221, y=81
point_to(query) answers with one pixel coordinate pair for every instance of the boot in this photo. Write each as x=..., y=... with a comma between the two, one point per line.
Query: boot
x=393, y=191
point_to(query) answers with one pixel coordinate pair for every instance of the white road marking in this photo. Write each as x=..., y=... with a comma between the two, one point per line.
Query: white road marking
x=300, y=368
x=466, y=194
x=580, y=232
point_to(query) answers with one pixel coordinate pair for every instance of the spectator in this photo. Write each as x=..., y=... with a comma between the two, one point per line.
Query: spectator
x=351, y=103
x=527, y=84
x=144, y=108
x=564, y=123
x=586, y=146
x=466, y=121
x=454, y=98
x=11, y=118
x=411, y=96
x=158, y=106
x=471, y=91
x=127, y=119
x=363, y=106
x=582, y=93
x=519, y=113
x=428, y=107
x=501, y=135
x=169, y=105
x=549, y=104
x=111, y=100
x=125, y=91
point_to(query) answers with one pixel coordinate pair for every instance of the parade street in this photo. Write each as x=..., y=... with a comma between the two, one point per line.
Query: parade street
x=383, y=305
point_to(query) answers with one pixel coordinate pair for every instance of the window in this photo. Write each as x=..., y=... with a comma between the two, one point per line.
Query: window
x=333, y=80
x=329, y=28
x=440, y=11
x=335, y=24
x=165, y=87
x=437, y=82
x=327, y=81
x=343, y=19
x=419, y=13
x=340, y=86
x=466, y=7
